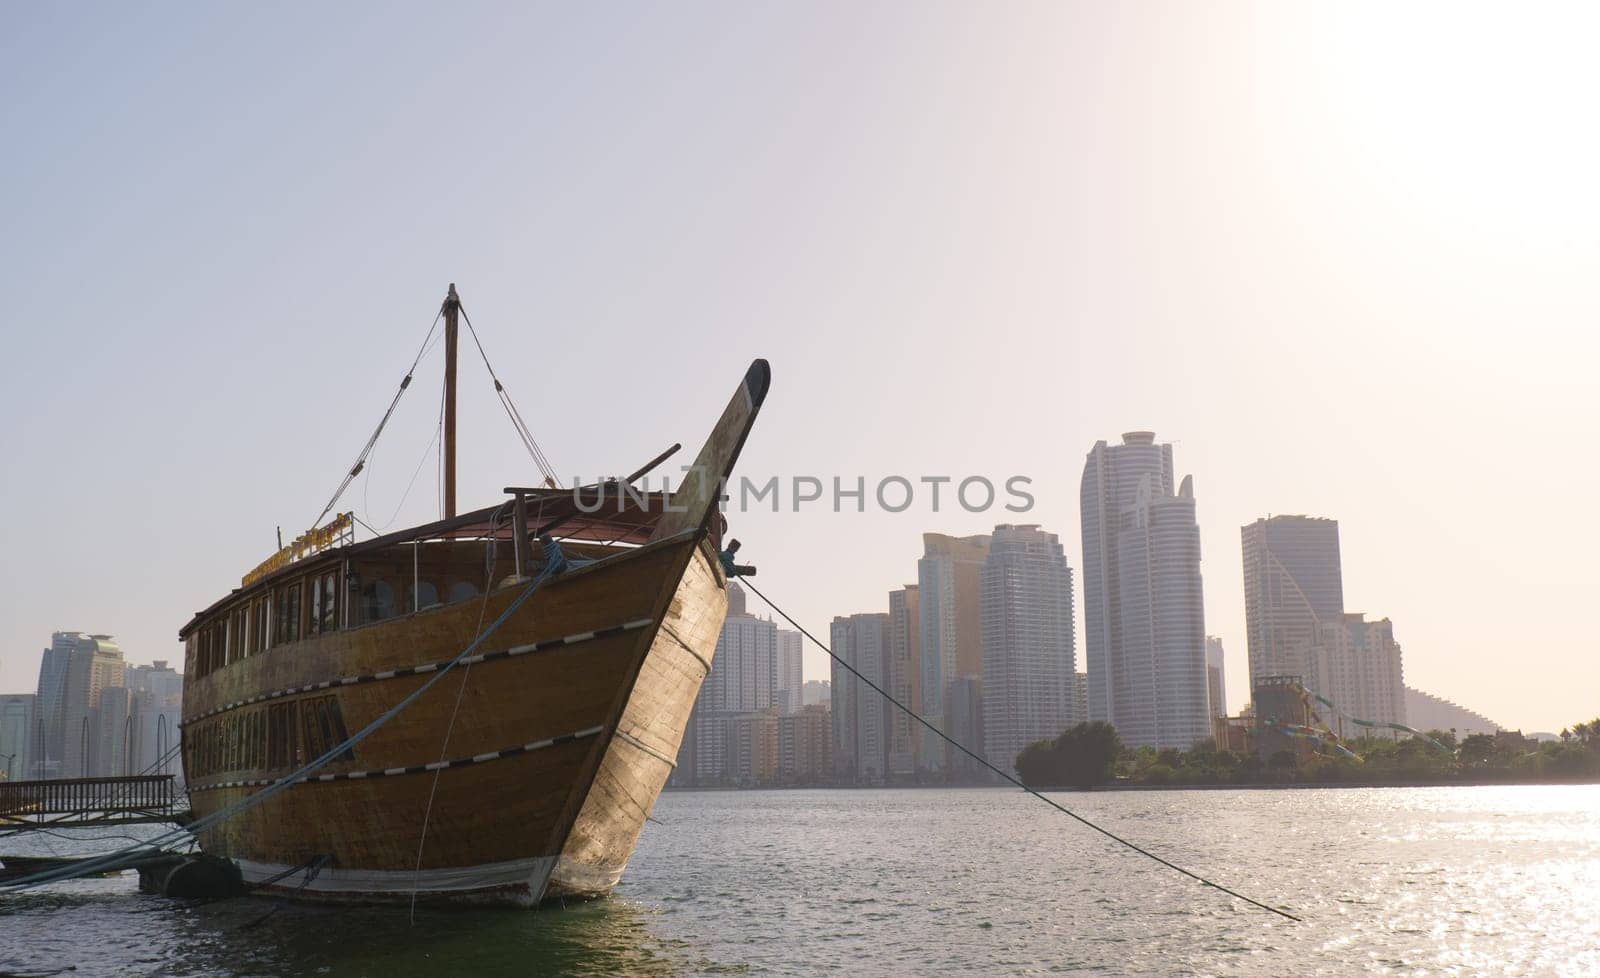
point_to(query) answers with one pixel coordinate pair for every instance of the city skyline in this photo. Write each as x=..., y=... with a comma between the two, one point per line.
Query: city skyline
x=92, y=713
x=1329, y=308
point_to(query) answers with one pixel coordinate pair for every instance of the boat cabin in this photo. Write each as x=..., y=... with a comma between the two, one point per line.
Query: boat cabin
x=354, y=584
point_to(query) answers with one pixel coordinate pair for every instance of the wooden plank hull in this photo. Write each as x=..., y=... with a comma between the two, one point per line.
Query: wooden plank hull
x=527, y=774
x=644, y=748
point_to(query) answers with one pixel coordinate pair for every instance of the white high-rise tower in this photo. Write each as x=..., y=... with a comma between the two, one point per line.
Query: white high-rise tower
x=1143, y=602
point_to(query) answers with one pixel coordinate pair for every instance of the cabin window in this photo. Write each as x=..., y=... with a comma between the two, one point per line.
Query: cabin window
x=235, y=635
x=239, y=631
x=377, y=601
x=423, y=595
x=202, y=748
x=324, y=603
x=259, y=621
x=462, y=590
x=241, y=627
x=286, y=618
x=258, y=752
x=210, y=653
x=282, y=724
x=247, y=741
x=322, y=727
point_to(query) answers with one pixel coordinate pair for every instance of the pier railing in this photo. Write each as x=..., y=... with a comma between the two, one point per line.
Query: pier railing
x=142, y=794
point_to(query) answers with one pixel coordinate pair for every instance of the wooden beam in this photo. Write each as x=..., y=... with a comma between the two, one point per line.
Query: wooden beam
x=519, y=535
x=452, y=308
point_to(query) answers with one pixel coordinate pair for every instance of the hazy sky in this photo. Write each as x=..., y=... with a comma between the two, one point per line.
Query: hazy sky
x=1343, y=256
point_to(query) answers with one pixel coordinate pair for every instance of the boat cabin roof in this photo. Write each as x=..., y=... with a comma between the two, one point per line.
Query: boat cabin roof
x=599, y=514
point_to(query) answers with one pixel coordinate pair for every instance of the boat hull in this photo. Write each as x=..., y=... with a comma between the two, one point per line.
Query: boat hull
x=644, y=747
x=524, y=774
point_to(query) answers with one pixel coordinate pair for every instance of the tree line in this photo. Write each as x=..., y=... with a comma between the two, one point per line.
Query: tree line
x=1091, y=754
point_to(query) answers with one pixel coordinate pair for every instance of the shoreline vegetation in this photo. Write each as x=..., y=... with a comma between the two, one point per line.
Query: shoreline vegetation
x=1092, y=756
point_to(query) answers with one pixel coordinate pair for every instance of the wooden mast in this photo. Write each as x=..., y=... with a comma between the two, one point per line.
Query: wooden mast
x=452, y=306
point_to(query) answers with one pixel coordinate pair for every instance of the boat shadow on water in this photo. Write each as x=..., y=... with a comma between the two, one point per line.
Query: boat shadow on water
x=596, y=937
x=127, y=934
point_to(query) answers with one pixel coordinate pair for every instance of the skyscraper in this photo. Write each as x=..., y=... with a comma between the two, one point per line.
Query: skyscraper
x=109, y=735
x=1216, y=677
x=791, y=671
x=964, y=719
x=743, y=679
x=805, y=745
x=49, y=700
x=1292, y=581
x=905, y=683
x=860, y=718
x=16, y=736
x=1356, y=663
x=1143, y=602
x=949, y=615
x=1029, y=657
x=73, y=672
x=157, y=707
x=745, y=668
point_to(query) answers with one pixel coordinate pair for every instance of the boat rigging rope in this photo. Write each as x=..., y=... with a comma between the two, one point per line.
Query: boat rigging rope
x=366, y=484
x=492, y=562
x=744, y=582
x=361, y=460
x=539, y=459
x=193, y=829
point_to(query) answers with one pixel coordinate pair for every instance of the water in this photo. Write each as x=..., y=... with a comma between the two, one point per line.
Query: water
x=1430, y=881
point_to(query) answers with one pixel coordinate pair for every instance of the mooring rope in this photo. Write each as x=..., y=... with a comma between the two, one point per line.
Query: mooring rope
x=193, y=829
x=744, y=582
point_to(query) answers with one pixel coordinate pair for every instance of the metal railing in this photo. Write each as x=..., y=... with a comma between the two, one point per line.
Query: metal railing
x=68, y=796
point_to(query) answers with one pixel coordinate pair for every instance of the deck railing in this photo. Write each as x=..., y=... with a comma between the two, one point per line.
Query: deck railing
x=65, y=796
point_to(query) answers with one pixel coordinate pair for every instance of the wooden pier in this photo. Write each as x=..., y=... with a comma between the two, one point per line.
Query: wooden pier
x=66, y=802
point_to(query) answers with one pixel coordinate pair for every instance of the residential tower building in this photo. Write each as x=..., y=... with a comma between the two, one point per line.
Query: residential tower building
x=950, y=626
x=860, y=715
x=1216, y=677
x=1029, y=655
x=1292, y=582
x=1143, y=600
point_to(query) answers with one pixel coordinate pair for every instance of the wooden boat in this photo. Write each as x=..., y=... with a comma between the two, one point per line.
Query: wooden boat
x=527, y=772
